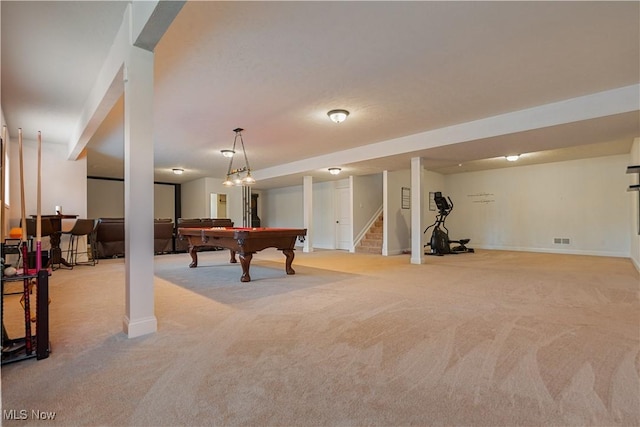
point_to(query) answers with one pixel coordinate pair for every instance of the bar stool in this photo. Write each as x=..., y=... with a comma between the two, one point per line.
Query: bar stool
x=82, y=227
x=46, y=229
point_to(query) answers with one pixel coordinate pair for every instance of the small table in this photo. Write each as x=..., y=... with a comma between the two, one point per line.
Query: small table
x=54, y=238
x=243, y=241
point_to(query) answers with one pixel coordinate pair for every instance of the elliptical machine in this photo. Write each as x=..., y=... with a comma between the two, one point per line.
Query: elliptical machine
x=440, y=243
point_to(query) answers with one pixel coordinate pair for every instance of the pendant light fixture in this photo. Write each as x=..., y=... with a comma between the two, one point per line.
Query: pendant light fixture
x=239, y=176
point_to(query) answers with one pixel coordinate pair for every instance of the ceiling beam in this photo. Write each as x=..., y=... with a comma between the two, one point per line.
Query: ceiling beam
x=601, y=104
x=150, y=21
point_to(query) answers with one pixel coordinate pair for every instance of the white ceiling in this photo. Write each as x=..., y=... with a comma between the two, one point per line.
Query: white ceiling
x=276, y=68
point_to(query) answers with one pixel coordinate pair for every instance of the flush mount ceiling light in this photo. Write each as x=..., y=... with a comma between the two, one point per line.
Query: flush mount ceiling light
x=512, y=157
x=240, y=176
x=338, y=116
x=177, y=171
x=228, y=153
x=334, y=171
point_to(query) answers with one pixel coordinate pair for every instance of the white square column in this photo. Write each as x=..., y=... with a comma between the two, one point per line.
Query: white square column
x=307, y=212
x=417, y=247
x=139, y=318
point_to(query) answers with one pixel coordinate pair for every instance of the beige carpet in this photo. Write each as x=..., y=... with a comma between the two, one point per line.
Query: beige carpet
x=487, y=339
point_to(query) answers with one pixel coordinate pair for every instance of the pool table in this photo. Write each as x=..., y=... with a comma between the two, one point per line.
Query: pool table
x=244, y=242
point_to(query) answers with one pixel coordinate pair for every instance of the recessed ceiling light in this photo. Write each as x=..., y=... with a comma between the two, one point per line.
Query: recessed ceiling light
x=178, y=171
x=228, y=153
x=512, y=157
x=334, y=171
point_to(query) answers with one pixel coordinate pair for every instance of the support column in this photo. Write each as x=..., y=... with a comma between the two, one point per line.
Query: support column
x=417, y=248
x=246, y=206
x=139, y=318
x=307, y=197
x=385, y=213
x=635, y=205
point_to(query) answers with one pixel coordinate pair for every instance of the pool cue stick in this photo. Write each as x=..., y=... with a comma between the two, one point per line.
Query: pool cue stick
x=3, y=168
x=23, y=214
x=5, y=335
x=25, y=261
x=38, y=208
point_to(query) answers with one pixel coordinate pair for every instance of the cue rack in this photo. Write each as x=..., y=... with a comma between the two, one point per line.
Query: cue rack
x=31, y=345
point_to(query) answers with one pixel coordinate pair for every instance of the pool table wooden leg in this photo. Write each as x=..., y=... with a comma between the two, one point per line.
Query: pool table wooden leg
x=287, y=265
x=232, y=253
x=245, y=261
x=193, y=251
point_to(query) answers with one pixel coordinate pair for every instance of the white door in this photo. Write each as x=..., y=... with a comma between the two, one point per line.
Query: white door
x=213, y=205
x=218, y=205
x=343, y=219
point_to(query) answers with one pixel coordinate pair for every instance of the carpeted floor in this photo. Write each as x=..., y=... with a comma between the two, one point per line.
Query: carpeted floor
x=487, y=339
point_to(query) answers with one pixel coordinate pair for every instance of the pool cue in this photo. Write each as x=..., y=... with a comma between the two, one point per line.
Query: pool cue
x=25, y=261
x=2, y=180
x=38, y=208
x=5, y=336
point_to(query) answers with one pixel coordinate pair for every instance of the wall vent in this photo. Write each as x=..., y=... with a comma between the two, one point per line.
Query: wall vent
x=561, y=241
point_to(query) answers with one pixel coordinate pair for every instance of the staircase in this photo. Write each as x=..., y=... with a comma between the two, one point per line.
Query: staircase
x=371, y=243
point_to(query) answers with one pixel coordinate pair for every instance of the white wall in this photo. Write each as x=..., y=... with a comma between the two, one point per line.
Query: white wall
x=283, y=207
x=234, y=199
x=105, y=199
x=367, y=200
x=398, y=220
x=525, y=208
x=195, y=200
x=518, y=208
x=63, y=184
x=634, y=197
x=164, y=201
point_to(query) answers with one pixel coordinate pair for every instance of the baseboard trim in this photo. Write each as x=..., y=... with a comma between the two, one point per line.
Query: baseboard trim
x=139, y=327
x=552, y=251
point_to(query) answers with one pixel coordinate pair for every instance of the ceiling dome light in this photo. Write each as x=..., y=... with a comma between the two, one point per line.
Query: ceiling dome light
x=512, y=157
x=228, y=153
x=178, y=171
x=338, y=116
x=334, y=171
